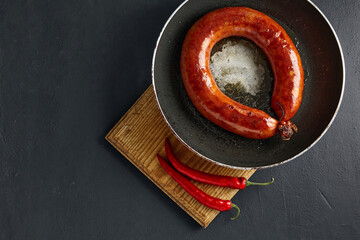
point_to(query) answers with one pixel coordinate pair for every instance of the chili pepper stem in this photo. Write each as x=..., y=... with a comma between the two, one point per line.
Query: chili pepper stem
x=248, y=183
x=238, y=211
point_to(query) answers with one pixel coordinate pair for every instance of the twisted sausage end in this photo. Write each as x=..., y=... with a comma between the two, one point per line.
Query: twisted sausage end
x=287, y=129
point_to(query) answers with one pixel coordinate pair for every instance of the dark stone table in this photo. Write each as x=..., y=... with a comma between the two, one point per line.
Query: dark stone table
x=70, y=69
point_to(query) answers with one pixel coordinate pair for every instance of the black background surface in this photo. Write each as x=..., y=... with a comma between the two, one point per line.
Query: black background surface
x=70, y=69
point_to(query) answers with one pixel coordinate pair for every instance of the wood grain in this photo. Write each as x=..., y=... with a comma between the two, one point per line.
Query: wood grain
x=140, y=134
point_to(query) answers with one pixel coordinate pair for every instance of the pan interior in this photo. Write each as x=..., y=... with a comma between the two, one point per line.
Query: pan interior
x=243, y=72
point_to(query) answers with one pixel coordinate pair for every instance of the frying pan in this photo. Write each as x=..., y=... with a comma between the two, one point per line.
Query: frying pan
x=324, y=69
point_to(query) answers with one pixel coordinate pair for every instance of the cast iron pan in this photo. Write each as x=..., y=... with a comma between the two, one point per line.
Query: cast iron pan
x=324, y=69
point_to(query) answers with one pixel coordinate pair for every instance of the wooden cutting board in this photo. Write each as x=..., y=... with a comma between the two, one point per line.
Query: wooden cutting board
x=139, y=136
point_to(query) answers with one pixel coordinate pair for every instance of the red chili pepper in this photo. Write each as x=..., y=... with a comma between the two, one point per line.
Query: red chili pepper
x=217, y=180
x=202, y=197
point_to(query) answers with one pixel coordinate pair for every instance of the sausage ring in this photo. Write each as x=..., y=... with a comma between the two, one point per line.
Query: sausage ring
x=215, y=105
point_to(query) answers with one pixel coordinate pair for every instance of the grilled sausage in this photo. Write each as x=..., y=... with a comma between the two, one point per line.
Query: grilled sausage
x=215, y=105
